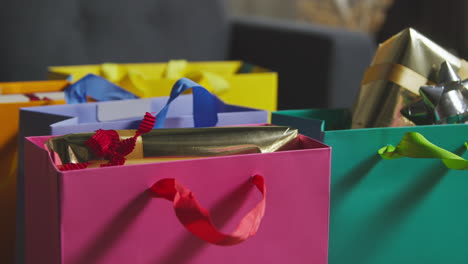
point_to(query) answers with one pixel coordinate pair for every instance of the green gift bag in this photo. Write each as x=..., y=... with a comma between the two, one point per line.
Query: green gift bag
x=402, y=210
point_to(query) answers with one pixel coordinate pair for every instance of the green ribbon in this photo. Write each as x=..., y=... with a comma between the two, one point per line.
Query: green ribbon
x=415, y=145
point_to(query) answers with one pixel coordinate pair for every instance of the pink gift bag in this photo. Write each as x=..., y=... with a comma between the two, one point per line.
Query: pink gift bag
x=122, y=214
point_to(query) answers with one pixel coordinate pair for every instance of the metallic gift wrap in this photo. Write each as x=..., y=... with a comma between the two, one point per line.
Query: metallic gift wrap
x=179, y=143
x=401, y=65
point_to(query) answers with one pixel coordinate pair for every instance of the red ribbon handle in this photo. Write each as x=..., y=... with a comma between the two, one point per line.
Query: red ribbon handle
x=197, y=219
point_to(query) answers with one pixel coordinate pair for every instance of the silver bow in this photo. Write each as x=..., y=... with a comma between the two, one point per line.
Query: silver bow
x=444, y=103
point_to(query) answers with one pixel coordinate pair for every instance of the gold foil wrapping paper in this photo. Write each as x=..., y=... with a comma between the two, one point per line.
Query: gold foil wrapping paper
x=401, y=65
x=180, y=143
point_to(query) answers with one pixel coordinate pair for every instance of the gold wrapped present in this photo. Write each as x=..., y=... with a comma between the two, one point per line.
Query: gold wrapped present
x=177, y=143
x=401, y=65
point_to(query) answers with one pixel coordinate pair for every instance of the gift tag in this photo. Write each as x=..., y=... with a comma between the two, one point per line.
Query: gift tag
x=125, y=109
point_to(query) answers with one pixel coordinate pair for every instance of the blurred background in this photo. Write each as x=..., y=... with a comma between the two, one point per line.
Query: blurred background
x=445, y=22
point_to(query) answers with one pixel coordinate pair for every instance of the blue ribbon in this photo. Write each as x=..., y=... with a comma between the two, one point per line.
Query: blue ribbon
x=97, y=88
x=205, y=112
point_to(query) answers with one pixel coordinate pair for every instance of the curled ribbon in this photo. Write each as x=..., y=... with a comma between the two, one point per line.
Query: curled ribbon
x=106, y=144
x=415, y=145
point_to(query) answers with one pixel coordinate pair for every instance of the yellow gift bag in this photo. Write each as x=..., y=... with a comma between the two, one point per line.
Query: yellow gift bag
x=13, y=96
x=234, y=82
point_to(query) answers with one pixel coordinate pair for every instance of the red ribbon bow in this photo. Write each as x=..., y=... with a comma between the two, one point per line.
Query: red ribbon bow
x=107, y=144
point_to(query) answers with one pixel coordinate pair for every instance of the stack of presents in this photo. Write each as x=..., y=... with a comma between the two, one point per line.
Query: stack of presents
x=190, y=162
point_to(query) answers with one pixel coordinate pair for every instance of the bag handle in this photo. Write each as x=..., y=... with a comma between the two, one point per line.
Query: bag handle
x=97, y=88
x=415, y=145
x=176, y=69
x=197, y=219
x=205, y=111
